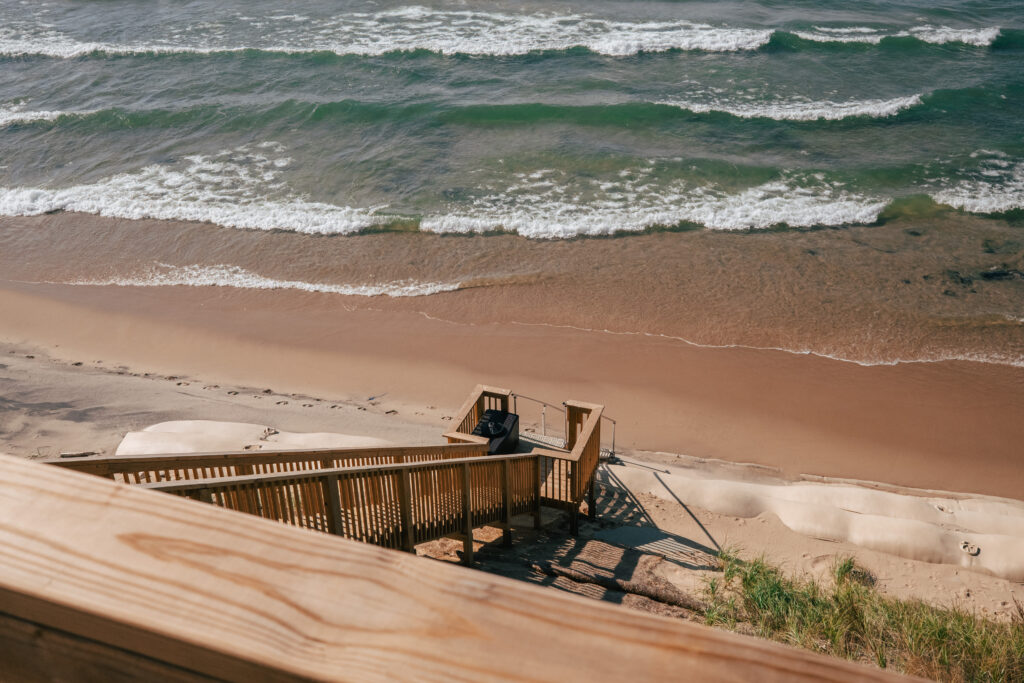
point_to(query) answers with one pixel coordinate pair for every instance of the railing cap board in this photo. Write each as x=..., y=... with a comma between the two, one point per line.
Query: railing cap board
x=478, y=391
x=467, y=438
x=215, y=482
x=586, y=406
x=244, y=457
x=234, y=596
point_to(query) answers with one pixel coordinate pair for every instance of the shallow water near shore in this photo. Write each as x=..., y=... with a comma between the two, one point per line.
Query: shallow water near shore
x=949, y=287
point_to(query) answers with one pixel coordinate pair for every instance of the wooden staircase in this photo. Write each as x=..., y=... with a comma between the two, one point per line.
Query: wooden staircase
x=391, y=497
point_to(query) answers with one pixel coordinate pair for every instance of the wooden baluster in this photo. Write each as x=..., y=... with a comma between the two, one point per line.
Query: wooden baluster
x=467, y=518
x=591, y=497
x=333, y=500
x=574, y=506
x=538, y=464
x=506, y=502
x=405, y=510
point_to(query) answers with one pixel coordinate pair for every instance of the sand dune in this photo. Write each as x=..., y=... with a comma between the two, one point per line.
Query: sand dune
x=198, y=436
x=981, y=534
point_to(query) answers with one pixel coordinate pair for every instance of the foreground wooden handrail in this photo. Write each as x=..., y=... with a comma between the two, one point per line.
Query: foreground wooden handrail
x=103, y=581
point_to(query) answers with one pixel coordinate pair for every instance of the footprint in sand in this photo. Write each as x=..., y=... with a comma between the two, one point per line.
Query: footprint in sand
x=391, y=412
x=180, y=384
x=334, y=406
x=77, y=363
x=282, y=403
x=307, y=405
x=211, y=386
x=970, y=548
x=232, y=393
x=362, y=408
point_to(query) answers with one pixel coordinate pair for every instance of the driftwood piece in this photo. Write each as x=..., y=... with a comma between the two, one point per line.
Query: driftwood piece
x=657, y=590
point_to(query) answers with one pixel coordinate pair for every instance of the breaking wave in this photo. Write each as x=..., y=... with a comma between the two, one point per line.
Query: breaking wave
x=804, y=110
x=467, y=32
x=240, y=188
x=543, y=205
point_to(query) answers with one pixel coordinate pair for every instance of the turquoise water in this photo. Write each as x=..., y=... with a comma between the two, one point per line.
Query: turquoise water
x=551, y=119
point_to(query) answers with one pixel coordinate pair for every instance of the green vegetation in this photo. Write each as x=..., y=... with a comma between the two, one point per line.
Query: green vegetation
x=852, y=620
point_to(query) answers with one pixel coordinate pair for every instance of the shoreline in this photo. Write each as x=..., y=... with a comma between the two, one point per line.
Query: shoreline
x=913, y=425
x=935, y=288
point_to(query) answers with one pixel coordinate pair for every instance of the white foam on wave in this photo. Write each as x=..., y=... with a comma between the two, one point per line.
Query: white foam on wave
x=938, y=35
x=413, y=28
x=16, y=114
x=471, y=32
x=803, y=110
x=164, y=275
x=995, y=185
x=554, y=207
x=232, y=189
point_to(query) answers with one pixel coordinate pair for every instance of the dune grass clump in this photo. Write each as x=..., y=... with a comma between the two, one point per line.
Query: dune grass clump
x=851, y=619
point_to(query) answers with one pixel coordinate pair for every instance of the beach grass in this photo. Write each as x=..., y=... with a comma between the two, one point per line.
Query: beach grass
x=851, y=619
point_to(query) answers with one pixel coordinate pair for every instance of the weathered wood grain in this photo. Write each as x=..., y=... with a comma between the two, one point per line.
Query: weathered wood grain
x=230, y=595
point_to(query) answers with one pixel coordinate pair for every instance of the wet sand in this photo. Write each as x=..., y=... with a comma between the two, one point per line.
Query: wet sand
x=951, y=426
x=937, y=287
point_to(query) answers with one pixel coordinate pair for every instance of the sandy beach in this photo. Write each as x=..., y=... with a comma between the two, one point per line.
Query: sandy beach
x=945, y=426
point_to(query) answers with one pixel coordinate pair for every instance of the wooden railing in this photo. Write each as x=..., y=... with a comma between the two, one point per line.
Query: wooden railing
x=569, y=475
x=394, y=497
x=480, y=399
x=144, y=469
x=391, y=505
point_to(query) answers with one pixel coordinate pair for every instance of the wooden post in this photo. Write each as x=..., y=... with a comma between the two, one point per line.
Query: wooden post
x=574, y=503
x=536, y=492
x=571, y=426
x=333, y=500
x=405, y=509
x=506, y=503
x=467, y=518
x=591, y=497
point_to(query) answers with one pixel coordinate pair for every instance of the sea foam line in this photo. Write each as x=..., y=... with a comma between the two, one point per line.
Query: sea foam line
x=473, y=32
x=164, y=275
x=544, y=205
x=799, y=110
x=995, y=186
x=938, y=358
x=10, y=115
x=238, y=188
x=936, y=35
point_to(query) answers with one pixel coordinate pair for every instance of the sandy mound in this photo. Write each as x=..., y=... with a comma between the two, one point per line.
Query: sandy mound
x=200, y=436
x=981, y=534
